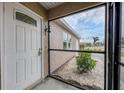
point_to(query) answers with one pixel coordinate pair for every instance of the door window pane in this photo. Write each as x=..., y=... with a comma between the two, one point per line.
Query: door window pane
x=25, y=18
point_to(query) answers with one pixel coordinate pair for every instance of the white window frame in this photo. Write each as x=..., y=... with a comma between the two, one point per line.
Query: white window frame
x=68, y=39
x=65, y=37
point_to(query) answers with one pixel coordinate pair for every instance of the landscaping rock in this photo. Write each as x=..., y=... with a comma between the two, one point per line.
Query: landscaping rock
x=91, y=80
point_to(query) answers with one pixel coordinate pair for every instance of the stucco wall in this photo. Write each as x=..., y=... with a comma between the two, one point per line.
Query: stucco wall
x=58, y=58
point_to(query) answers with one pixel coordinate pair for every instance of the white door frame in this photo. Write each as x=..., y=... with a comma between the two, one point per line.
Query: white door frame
x=1, y=32
x=2, y=50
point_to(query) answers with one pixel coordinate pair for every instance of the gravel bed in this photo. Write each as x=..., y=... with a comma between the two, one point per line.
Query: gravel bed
x=93, y=79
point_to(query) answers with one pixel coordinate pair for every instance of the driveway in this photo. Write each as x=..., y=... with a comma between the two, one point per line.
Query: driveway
x=98, y=56
x=122, y=49
x=101, y=57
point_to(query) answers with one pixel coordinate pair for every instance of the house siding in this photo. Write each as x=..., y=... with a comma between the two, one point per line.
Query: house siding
x=58, y=58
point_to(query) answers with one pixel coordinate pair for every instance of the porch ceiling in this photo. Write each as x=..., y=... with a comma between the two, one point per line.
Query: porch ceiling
x=49, y=5
x=58, y=9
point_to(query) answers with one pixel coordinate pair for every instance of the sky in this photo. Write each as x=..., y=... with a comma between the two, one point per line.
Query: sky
x=122, y=20
x=88, y=24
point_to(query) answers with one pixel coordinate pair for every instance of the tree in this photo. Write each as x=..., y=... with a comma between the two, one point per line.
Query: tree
x=95, y=39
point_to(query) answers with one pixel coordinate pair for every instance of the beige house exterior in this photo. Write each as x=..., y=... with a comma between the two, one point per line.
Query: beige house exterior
x=54, y=13
x=57, y=29
x=61, y=31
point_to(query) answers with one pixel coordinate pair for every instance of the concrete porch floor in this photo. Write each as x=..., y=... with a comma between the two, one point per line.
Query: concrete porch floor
x=53, y=84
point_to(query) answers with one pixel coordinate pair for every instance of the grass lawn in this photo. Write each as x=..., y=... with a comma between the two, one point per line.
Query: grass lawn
x=122, y=54
x=95, y=48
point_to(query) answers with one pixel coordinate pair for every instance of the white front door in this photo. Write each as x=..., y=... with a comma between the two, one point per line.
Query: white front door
x=22, y=37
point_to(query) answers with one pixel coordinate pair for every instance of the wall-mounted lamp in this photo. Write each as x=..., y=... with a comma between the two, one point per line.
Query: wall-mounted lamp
x=46, y=29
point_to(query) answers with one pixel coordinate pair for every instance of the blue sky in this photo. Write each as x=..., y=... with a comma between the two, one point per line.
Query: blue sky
x=88, y=24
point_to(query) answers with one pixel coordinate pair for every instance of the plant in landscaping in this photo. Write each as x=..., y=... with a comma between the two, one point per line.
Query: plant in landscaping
x=85, y=63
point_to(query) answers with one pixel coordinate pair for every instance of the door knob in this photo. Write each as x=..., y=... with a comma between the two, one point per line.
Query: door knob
x=39, y=51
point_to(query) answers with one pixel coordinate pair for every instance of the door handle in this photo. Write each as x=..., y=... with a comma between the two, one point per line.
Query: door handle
x=39, y=52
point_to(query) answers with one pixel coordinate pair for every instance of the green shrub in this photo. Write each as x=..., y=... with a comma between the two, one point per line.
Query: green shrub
x=85, y=63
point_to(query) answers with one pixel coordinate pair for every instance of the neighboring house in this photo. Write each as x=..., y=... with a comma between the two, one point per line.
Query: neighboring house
x=63, y=37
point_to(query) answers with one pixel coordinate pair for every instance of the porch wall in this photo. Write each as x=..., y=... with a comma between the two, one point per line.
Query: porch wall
x=58, y=58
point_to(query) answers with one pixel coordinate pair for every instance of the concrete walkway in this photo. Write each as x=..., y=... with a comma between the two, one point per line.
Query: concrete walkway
x=52, y=84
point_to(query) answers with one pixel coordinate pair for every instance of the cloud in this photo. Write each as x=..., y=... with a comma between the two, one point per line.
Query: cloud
x=89, y=23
